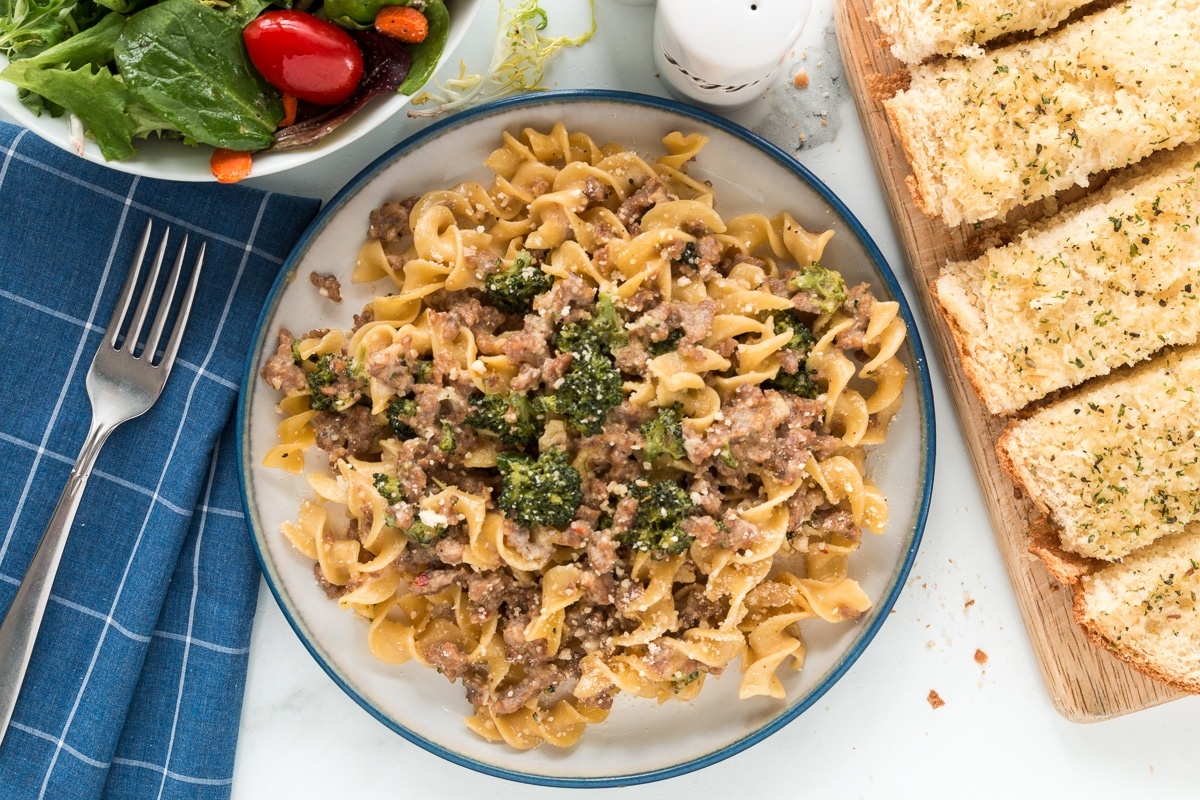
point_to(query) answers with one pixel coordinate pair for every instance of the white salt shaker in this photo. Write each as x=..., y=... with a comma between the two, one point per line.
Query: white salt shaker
x=724, y=53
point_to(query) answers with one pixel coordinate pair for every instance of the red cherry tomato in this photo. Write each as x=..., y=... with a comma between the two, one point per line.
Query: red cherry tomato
x=304, y=56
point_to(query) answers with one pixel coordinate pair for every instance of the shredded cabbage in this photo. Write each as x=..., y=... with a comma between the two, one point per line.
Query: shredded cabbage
x=519, y=61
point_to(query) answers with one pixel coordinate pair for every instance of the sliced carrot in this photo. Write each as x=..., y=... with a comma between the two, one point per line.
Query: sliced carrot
x=230, y=166
x=290, y=105
x=404, y=23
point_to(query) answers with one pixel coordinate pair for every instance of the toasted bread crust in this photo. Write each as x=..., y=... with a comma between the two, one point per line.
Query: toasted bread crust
x=1066, y=568
x=984, y=388
x=1073, y=572
x=1134, y=658
x=881, y=87
x=908, y=144
x=1070, y=571
x=1110, y=463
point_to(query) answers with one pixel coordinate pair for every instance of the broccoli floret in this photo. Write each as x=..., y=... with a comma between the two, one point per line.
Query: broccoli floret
x=589, y=389
x=680, y=680
x=388, y=488
x=512, y=288
x=421, y=533
x=800, y=383
x=424, y=534
x=606, y=324
x=318, y=379
x=664, y=435
x=690, y=255
x=545, y=491
x=574, y=338
x=828, y=286
x=422, y=370
x=399, y=411
x=604, y=332
x=803, y=338
x=333, y=384
x=658, y=523
x=667, y=345
x=447, y=443
x=592, y=385
x=512, y=416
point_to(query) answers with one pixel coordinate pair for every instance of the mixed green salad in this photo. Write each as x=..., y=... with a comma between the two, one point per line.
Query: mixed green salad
x=239, y=75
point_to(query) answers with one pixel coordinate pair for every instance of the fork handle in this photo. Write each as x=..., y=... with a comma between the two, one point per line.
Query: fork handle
x=20, y=628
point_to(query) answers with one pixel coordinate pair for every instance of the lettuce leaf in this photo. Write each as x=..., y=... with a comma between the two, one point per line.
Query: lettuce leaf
x=28, y=27
x=92, y=46
x=187, y=63
x=113, y=117
x=66, y=76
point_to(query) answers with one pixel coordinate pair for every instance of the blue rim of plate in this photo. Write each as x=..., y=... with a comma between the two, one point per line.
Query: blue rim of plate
x=786, y=161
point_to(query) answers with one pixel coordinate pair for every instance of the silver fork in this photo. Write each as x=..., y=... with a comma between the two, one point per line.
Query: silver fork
x=123, y=382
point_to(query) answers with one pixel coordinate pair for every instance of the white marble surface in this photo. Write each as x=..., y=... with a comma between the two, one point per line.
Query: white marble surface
x=873, y=734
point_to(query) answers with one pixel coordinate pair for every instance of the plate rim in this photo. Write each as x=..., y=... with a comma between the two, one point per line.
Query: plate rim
x=922, y=381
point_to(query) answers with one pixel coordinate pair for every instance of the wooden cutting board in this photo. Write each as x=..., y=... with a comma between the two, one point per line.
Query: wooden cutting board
x=1085, y=683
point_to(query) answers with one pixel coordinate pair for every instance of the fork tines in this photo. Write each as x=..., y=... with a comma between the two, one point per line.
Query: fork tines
x=126, y=332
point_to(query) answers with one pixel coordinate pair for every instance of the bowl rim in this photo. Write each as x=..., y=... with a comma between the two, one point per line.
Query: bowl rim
x=883, y=605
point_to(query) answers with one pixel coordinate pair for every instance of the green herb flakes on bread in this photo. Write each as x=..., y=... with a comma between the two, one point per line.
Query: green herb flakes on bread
x=1082, y=326
x=1106, y=282
x=1144, y=610
x=1115, y=466
x=1019, y=123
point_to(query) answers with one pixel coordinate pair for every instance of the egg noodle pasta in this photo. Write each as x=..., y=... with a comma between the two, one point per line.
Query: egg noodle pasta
x=591, y=437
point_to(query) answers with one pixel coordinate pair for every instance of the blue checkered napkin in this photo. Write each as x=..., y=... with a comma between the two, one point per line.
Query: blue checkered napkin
x=135, y=685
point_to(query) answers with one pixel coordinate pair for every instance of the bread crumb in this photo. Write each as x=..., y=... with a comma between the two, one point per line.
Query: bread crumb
x=935, y=699
x=800, y=79
x=980, y=657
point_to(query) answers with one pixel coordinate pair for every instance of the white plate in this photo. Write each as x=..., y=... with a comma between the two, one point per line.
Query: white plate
x=173, y=160
x=641, y=740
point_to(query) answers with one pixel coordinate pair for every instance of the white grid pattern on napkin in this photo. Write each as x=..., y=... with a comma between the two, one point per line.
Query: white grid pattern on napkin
x=231, y=291
x=186, y=651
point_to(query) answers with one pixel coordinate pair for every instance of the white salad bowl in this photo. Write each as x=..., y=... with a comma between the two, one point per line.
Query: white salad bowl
x=173, y=160
x=641, y=740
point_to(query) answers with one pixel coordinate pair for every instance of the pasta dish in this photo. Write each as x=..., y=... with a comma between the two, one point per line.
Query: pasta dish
x=593, y=438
